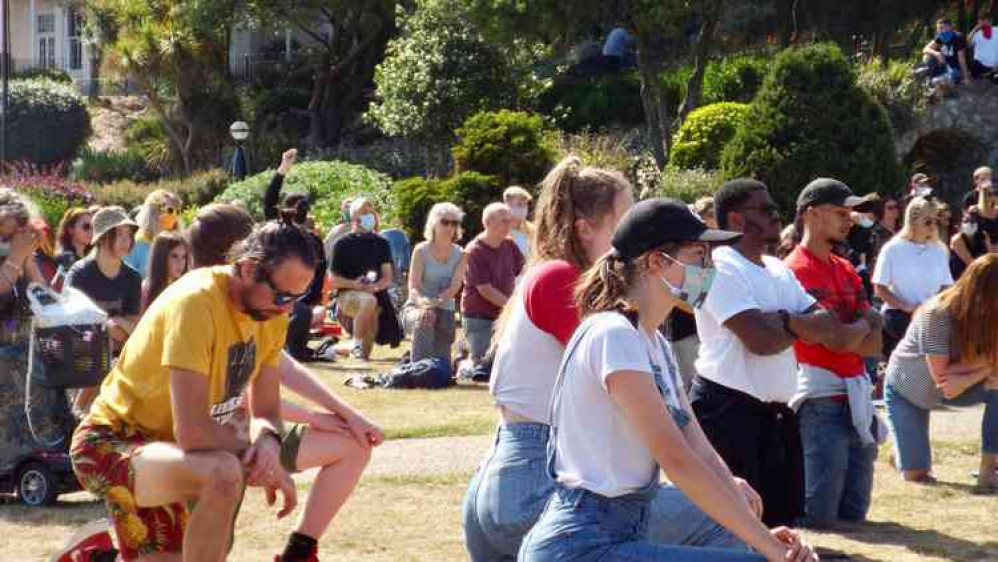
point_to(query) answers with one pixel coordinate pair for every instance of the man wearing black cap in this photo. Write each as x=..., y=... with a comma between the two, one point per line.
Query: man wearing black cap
x=747, y=373
x=839, y=428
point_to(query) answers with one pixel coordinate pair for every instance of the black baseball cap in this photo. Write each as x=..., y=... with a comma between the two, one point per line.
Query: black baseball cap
x=655, y=222
x=827, y=191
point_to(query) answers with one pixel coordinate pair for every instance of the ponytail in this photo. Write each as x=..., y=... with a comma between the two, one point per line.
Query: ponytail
x=606, y=284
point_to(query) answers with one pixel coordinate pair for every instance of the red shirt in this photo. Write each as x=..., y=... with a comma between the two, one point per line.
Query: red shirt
x=839, y=290
x=549, y=298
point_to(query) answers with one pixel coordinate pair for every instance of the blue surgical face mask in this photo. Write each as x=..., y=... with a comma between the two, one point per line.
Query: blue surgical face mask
x=697, y=281
x=367, y=222
x=947, y=36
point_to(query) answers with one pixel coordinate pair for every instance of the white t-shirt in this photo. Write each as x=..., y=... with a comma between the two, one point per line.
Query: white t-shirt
x=595, y=447
x=742, y=285
x=913, y=272
x=986, y=50
x=522, y=241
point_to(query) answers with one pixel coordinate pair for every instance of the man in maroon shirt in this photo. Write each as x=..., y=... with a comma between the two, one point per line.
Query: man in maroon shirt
x=837, y=422
x=494, y=262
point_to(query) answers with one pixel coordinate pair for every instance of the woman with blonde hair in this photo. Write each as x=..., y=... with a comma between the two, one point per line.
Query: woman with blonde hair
x=160, y=212
x=435, y=278
x=911, y=268
x=950, y=355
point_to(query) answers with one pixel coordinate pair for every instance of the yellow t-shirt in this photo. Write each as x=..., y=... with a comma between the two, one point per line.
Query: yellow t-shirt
x=192, y=325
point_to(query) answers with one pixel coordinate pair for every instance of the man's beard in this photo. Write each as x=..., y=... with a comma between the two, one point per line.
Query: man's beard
x=255, y=313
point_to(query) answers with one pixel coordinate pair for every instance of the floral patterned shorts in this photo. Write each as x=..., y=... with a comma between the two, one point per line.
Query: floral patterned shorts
x=102, y=462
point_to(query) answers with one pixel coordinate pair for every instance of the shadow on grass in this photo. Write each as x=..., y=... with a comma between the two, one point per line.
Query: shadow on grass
x=921, y=541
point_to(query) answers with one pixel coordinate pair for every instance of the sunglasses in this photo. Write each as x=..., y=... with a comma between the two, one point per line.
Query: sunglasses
x=282, y=298
x=449, y=222
x=169, y=210
x=85, y=227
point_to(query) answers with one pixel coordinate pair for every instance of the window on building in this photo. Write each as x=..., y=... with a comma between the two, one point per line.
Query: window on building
x=46, y=40
x=74, y=33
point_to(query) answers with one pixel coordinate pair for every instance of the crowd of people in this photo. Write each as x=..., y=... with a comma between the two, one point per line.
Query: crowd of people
x=950, y=58
x=618, y=340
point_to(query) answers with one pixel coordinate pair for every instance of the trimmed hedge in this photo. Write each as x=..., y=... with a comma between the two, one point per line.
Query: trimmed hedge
x=327, y=183
x=48, y=122
x=809, y=120
x=514, y=146
x=701, y=139
x=471, y=191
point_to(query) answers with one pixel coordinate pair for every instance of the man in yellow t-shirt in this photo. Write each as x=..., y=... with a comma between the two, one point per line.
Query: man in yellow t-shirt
x=164, y=430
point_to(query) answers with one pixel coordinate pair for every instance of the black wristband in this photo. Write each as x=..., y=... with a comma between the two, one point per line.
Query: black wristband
x=785, y=317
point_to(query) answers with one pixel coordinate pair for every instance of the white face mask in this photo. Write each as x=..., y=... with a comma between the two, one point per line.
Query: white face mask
x=969, y=228
x=519, y=212
x=865, y=221
x=367, y=222
x=922, y=191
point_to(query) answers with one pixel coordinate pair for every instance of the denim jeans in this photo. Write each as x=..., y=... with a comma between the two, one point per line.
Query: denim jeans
x=910, y=425
x=838, y=467
x=478, y=332
x=507, y=496
x=581, y=526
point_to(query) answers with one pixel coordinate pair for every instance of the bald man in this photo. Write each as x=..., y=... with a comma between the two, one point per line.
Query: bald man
x=494, y=262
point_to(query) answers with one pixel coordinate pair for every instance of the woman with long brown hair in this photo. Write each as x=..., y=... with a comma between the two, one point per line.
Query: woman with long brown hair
x=74, y=236
x=948, y=355
x=576, y=213
x=169, y=260
x=618, y=416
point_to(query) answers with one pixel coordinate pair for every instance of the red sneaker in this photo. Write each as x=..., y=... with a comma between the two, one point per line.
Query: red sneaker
x=91, y=543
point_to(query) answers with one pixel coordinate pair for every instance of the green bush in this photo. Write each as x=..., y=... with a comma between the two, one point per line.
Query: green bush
x=472, y=191
x=594, y=102
x=895, y=88
x=437, y=72
x=106, y=166
x=50, y=191
x=277, y=100
x=736, y=78
x=53, y=74
x=199, y=189
x=810, y=119
x=148, y=138
x=699, y=142
x=689, y=185
x=327, y=183
x=512, y=145
x=415, y=196
x=48, y=122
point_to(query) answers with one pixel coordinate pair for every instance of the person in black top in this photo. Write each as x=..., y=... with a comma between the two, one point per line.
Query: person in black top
x=979, y=229
x=74, y=237
x=295, y=209
x=946, y=55
x=361, y=268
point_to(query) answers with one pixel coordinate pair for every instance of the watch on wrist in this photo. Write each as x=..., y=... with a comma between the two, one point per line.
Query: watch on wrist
x=785, y=317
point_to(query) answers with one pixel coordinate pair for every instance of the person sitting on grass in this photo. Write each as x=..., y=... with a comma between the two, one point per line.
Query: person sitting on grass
x=949, y=355
x=435, y=279
x=163, y=433
x=361, y=267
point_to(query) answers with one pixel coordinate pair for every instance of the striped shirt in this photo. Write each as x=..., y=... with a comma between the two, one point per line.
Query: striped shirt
x=907, y=370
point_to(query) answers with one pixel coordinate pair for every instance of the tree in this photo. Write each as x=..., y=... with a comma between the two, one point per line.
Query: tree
x=810, y=119
x=436, y=74
x=348, y=39
x=662, y=30
x=177, y=51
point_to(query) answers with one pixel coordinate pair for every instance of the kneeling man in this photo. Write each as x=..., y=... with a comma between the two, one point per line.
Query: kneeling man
x=162, y=435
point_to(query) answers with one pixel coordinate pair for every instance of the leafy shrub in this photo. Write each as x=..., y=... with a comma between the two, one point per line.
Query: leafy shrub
x=594, y=102
x=106, y=166
x=53, y=74
x=437, y=72
x=327, y=183
x=148, y=138
x=398, y=157
x=689, y=185
x=51, y=192
x=699, y=142
x=278, y=100
x=600, y=150
x=896, y=88
x=512, y=145
x=810, y=119
x=415, y=196
x=48, y=121
x=736, y=78
x=199, y=189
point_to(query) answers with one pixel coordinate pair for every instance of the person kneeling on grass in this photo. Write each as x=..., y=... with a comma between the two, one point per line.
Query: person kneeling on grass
x=618, y=414
x=948, y=355
x=160, y=433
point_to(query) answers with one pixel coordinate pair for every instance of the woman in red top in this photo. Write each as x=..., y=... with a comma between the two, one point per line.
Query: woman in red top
x=576, y=213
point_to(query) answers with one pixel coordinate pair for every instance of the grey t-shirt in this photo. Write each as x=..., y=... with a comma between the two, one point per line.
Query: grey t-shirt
x=907, y=370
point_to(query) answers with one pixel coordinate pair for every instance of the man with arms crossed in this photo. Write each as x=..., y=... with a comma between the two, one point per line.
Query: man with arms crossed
x=159, y=435
x=755, y=311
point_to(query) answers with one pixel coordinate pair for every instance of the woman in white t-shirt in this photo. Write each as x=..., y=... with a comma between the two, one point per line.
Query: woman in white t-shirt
x=618, y=415
x=912, y=268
